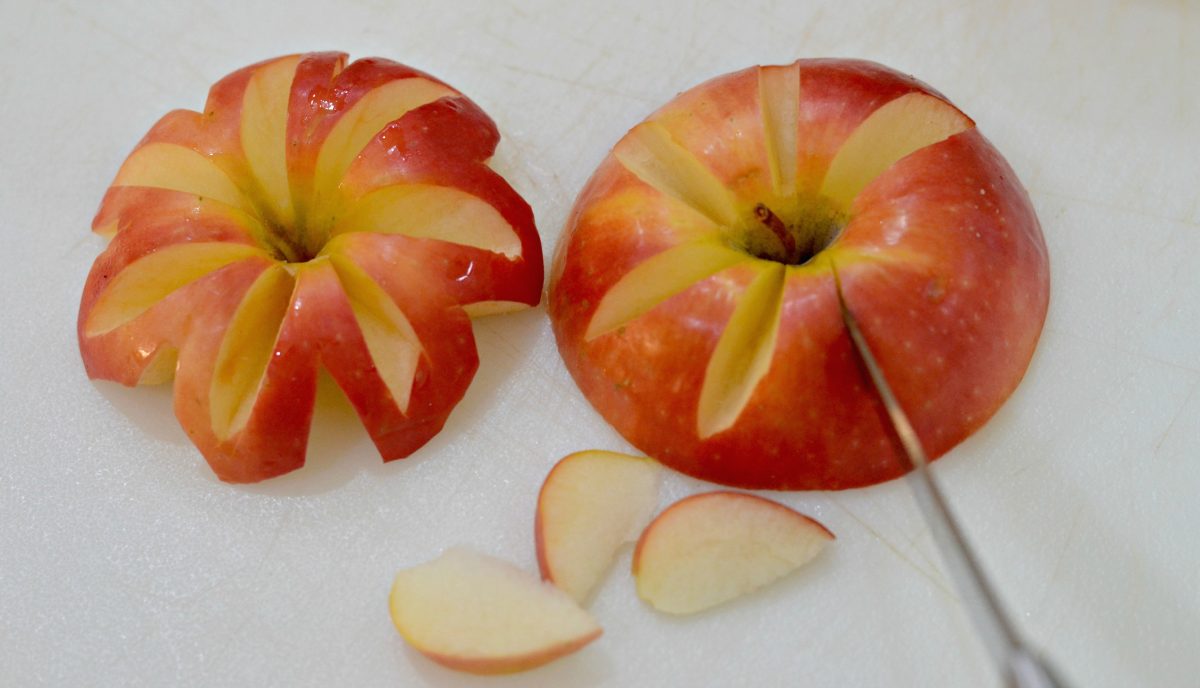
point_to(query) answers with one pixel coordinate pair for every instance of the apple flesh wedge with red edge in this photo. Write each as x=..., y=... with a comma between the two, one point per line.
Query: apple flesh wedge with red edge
x=710, y=548
x=591, y=504
x=692, y=292
x=317, y=213
x=478, y=614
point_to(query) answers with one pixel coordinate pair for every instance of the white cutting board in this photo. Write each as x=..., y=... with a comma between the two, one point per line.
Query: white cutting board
x=124, y=562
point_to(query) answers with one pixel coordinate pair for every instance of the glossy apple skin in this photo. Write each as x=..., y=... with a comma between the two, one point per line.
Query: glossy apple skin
x=444, y=143
x=952, y=308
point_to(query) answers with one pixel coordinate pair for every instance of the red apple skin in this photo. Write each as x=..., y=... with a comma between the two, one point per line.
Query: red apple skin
x=509, y=665
x=952, y=308
x=445, y=143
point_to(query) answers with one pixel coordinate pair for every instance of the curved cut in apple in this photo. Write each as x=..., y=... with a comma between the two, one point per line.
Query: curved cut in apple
x=591, y=504
x=711, y=548
x=478, y=614
x=692, y=293
x=316, y=213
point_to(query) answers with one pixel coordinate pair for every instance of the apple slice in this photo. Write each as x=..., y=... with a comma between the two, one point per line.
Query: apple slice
x=474, y=613
x=591, y=503
x=710, y=548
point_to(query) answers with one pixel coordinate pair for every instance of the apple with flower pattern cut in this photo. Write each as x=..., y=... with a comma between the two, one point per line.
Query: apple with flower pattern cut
x=692, y=293
x=316, y=213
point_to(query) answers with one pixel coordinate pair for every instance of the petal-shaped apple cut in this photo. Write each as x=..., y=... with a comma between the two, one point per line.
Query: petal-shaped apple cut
x=246, y=350
x=364, y=121
x=475, y=613
x=149, y=279
x=744, y=352
x=178, y=168
x=658, y=278
x=390, y=338
x=264, y=134
x=591, y=504
x=710, y=548
x=898, y=128
x=651, y=154
x=779, y=100
x=434, y=212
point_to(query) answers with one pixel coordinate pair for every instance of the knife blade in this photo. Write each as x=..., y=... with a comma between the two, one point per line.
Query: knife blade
x=1017, y=663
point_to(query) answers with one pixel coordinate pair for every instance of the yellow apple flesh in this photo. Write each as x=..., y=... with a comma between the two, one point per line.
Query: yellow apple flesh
x=591, y=504
x=711, y=548
x=478, y=614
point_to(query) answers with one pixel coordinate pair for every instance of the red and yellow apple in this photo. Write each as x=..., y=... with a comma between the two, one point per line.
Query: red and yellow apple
x=316, y=213
x=591, y=504
x=475, y=613
x=711, y=548
x=692, y=292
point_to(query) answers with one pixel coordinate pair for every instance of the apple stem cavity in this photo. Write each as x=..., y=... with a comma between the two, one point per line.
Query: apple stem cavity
x=814, y=228
x=772, y=222
x=284, y=248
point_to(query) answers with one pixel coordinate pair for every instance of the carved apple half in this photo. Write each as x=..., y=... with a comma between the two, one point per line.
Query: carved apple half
x=316, y=213
x=692, y=291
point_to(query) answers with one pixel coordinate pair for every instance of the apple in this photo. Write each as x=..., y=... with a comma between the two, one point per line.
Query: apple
x=476, y=613
x=711, y=548
x=591, y=504
x=692, y=293
x=316, y=213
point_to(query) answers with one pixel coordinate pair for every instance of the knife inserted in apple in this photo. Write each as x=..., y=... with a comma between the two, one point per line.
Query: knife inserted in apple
x=1019, y=664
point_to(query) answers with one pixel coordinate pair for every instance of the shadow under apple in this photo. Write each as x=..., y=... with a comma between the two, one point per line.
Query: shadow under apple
x=338, y=447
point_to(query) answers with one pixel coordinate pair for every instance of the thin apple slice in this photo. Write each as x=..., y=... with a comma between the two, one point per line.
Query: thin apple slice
x=246, y=350
x=650, y=153
x=478, y=614
x=178, y=168
x=744, y=352
x=434, y=212
x=149, y=279
x=591, y=504
x=779, y=100
x=264, y=134
x=710, y=548
x=898, y=128
x=658, y=278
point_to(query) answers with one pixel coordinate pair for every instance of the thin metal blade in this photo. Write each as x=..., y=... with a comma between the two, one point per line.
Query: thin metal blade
x=984, y=608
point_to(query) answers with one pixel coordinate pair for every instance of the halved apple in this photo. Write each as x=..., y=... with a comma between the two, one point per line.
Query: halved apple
x=591, y=504
x=475, y=613
x=316, y=213
x=692, y=293
x=710, y=548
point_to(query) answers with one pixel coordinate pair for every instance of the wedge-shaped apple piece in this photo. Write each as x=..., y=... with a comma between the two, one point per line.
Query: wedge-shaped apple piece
x=591, y=504
x=474, y=613
x=710, y=548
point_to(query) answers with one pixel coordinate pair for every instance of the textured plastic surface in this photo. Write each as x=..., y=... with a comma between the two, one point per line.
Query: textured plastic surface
x=124, y=562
